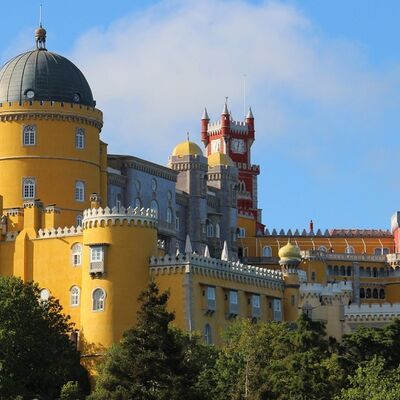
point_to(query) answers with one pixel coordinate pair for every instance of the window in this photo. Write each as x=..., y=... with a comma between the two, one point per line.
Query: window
x=241, y=232
x=210, y=230
x=76, y=254
x=138, y=203
x=362, y=293
x=74, y=296
x=217, y=230
x=79, y=220
x=313, y=276
x=211, y=303
x=28, y=188
x=255, y=306
x=169, y=215
x=381, y=251
x=207, y=334
x=80, y=138
x=79, y=191
x=138, y=185
x=267, y=251
x=118, y=201
x=96, y=254
x=233, y=302
x=153, y=185
x=177, y=223
x=98, y=298
x=293, y=300
x=349, y=250
x=154, y=206
x=44, y=294
x=277, y=310
x=322, y=248
x=29, y=135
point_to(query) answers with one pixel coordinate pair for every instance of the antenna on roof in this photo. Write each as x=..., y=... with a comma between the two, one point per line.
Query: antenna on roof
x=40, y=16
x=244, y=95
x=187, y=136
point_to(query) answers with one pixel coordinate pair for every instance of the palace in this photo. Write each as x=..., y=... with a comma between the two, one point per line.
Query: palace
x=92, y=228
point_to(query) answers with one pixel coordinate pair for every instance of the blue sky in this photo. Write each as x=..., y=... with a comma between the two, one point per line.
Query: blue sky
x=322, y=78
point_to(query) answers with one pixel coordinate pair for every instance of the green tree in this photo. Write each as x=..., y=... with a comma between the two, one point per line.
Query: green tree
x=36, y=355
x=71, y=391
x=153, y=360
x=373, y=381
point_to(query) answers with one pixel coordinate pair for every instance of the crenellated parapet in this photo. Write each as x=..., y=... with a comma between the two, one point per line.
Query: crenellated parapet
x=211, y=267
x=59, y=232
x=343, y=288
x=371, y=312
x=95, y=217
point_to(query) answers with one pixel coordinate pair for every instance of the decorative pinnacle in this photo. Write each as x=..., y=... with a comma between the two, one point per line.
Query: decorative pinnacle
x=249, y=114
x=40, y=33
x=225, y=111
x=205, y=114
x=187, y=136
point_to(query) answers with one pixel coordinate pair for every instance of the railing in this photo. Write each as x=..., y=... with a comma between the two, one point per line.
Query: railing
x=342, y=256
x=166, y=228
x=384, y=309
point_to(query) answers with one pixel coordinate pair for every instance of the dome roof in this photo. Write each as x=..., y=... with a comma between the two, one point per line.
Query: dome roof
x=42, y=75
x=218, y=158
x=289, y=251
x=187, y=148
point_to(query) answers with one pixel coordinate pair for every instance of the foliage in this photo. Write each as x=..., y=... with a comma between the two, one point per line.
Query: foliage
x=153, y=360
x=36, y=355
x=374, y=382
x=71, y=391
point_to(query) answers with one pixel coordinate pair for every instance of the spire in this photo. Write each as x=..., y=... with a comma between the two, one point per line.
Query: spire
x=249, y=114
x=206, y=251
x=225, y=253
x=188, y=245
x=205, y=114
x=40, y=33
x=225, y=111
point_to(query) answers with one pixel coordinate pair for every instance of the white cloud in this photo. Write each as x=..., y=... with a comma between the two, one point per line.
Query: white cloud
x=153, y=72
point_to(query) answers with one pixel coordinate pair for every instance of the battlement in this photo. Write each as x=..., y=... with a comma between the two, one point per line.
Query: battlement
x=331, y=289
x=362, y=233
x=239, y=127
x=59, y=232
x=94, y=217
x=218, y=265
x=355, y=311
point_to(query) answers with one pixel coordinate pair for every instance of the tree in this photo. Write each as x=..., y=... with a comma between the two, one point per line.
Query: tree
x=374, y=382
x=71, y=391
x=153, y=360
x=36, y=355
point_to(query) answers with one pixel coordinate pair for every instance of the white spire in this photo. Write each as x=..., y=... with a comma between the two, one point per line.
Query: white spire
x=225, y=111
x=225, y=254
x=206, y=252
x=249, y=114
x=188, y=245
x=205, y=114
x=177, y=251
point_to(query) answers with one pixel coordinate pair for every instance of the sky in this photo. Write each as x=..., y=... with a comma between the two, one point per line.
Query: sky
x=322, y=78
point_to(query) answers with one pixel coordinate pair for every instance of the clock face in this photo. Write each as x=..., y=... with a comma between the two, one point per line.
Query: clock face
x=215, y=146
x=238, y=146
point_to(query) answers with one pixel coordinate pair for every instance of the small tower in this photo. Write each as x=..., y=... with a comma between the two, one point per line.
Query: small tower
x=289, y=260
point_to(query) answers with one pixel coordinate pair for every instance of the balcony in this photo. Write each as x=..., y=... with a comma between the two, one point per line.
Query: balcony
x=165, y=228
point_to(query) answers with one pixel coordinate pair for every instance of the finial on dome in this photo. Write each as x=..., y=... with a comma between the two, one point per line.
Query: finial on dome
x=225, y=111
x=205, y=114
x=40, y=33
x=249, y=114
x=187, y=136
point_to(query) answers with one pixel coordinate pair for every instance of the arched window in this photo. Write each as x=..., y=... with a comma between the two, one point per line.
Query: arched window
x=44, y=294
x=169, y=215
x=349, y=250
x=375, y=293
x=80, y=138
x=368, y=293
x=79, y=220
x=368, y=272
x=348, y=271
x=207, y=334
x=322, y=248
x=385, y=251
x=217, y=230
x=342, y=270
x=98, y=298
x=76, y=254
x=330, y=271
x=28, y=188
x=154, y=206
x=362, y=293
x=29, y=135
x=336, y=270
x=79, y=191
x=267, y=251
x=74, y=294
x=382, y=293
x=118, y=201
x=210, y=230
x=374, y=272
x=138, y=203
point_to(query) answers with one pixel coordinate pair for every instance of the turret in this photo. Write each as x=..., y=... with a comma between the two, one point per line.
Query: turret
x=225, y=123
x=250, y=125
x=289, y=260
x=205, y=119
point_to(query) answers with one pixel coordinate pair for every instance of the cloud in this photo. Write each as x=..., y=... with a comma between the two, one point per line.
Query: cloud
x=152, y=72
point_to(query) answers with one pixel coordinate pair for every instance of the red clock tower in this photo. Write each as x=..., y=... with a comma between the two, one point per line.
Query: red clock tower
x=235, y=139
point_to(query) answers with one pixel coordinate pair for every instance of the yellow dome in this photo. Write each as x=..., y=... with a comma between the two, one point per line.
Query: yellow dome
x=218, y=158
x=289, y=251
x=187, y=148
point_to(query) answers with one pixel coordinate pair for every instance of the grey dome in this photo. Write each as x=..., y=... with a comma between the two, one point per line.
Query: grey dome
x=42, y=75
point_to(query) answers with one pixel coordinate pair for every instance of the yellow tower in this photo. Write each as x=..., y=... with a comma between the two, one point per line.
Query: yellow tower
x=49, y=134
x=289, y=260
